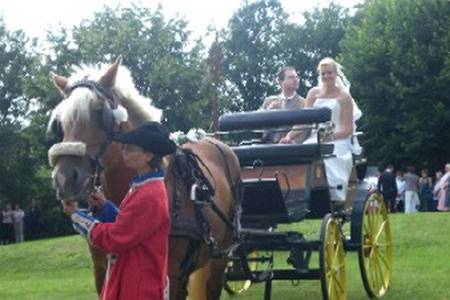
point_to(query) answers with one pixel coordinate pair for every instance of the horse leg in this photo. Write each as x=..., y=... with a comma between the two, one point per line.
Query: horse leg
x=99, y=261
x=178, y=276
x=216, y=278
x=197, y=283
x=178, y=284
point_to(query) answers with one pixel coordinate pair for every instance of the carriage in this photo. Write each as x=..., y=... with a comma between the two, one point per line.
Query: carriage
x=285, y=184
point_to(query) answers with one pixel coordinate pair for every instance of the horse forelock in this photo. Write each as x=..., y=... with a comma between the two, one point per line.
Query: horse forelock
x=139, y=108
x=74, y=109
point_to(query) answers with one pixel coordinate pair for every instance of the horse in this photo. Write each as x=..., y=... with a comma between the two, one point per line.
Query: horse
x=202, y=178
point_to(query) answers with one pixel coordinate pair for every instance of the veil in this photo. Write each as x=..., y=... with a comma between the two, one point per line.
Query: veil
x=343, y=82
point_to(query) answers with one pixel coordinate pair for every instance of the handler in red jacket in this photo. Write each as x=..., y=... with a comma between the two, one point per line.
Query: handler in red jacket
x=138, y=239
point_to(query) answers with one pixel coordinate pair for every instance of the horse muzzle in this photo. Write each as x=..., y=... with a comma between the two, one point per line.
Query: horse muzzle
x=73, y=172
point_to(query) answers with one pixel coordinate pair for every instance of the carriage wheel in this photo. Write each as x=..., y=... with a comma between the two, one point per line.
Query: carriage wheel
x=332, y=260
x=237, y=287
x=375, y=251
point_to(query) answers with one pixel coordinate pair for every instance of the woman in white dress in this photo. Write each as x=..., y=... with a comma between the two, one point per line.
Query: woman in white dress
x=333, y=92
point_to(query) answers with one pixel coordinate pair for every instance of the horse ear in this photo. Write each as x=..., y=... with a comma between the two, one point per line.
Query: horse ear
x=109, y=78
x=60, y=82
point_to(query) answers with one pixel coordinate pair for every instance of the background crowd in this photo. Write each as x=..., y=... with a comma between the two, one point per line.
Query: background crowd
x=16, y=224
x=408, y=191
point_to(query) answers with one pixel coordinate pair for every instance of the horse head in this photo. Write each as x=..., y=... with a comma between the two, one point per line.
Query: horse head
x=92, y=109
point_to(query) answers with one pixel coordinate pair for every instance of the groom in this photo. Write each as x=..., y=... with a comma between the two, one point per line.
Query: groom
x=289, y=83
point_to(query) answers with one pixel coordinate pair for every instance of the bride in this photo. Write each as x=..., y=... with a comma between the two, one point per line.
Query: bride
x=333, y=92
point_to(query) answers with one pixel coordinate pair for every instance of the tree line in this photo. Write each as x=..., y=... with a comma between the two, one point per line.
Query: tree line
x=395, y=53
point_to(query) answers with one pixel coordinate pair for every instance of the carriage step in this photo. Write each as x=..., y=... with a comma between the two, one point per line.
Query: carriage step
x=311, y=274
x=257, y=232
x=275, y=241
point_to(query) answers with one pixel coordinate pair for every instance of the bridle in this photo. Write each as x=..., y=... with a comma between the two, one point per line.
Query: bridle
x=106, y=95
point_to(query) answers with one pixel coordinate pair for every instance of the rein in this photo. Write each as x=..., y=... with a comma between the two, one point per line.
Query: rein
x=106, y=95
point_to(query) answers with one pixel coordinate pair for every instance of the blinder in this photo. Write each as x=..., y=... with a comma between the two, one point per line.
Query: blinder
x=103, y=93
x=108, y=117
x=56, y=129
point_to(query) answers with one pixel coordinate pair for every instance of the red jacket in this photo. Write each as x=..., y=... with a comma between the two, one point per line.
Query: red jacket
x=138, y=243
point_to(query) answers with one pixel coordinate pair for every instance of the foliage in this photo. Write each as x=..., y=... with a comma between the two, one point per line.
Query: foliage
x=165, y=65
x=397, y=58
x=260, y=40
x=318, y=37
x=16, y=61
x=15, y=58
x=252, y=48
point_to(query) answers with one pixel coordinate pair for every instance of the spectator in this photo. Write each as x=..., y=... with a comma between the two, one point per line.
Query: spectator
x=33, y=220
x=18, y=216
x=425, y=191
x=400, y=199
x=436, y=190
x=387, y=185
x=7, y=224
x=444, y=192
x=411, y=190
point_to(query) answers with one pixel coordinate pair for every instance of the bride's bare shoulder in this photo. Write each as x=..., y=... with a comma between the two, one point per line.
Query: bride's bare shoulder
x=345, y=96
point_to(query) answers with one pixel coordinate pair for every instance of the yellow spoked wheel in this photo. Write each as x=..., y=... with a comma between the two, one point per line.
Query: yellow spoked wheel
x=237, y=287
x=332, y=260
x=375, y=253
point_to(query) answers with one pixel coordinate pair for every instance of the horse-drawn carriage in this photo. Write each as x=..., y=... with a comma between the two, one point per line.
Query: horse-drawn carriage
x=281, y=184
x=284, y=184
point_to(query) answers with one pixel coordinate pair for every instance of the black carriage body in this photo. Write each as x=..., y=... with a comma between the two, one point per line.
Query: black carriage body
x=283, y=183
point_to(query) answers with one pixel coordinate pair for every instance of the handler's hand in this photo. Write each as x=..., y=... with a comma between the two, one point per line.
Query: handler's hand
x=69, y=207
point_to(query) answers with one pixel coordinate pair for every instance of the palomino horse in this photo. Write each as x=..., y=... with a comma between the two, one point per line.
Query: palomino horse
x=98, y=104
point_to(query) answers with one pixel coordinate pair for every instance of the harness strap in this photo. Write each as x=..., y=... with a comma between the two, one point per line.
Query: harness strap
x=187, y=168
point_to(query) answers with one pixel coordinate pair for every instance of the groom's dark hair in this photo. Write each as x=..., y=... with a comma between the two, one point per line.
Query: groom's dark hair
x=282, y=72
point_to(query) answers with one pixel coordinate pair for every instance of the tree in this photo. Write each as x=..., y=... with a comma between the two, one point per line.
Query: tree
x=165, y=64
x=397, y=58
x=16, y=60
x=317, y=37
x=252, y=48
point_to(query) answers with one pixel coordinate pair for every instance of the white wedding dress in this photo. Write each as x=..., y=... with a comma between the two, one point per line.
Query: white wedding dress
x=338, y=168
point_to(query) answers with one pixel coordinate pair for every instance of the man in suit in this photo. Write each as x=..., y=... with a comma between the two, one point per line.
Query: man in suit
x=387, y=185
x=289, y=83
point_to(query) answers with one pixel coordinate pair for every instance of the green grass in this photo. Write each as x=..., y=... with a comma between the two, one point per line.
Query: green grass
x=61, y=268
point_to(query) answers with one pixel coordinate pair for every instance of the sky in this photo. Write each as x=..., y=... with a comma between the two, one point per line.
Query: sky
x=35, y=17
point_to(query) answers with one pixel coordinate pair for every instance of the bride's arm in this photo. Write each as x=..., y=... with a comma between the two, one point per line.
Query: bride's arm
x=309, y=102
x=346, y=117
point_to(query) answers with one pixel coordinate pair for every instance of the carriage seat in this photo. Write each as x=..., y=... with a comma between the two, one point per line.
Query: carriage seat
x=281, y=154
x=273, y=118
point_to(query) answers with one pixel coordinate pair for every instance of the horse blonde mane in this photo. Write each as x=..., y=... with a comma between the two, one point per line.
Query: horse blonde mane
x=77, y=106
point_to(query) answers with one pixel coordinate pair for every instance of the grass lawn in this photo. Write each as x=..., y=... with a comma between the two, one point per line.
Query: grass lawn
x=61, y=269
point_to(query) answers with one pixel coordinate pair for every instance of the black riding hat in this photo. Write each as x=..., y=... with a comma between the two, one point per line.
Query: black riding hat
x=150, y=136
